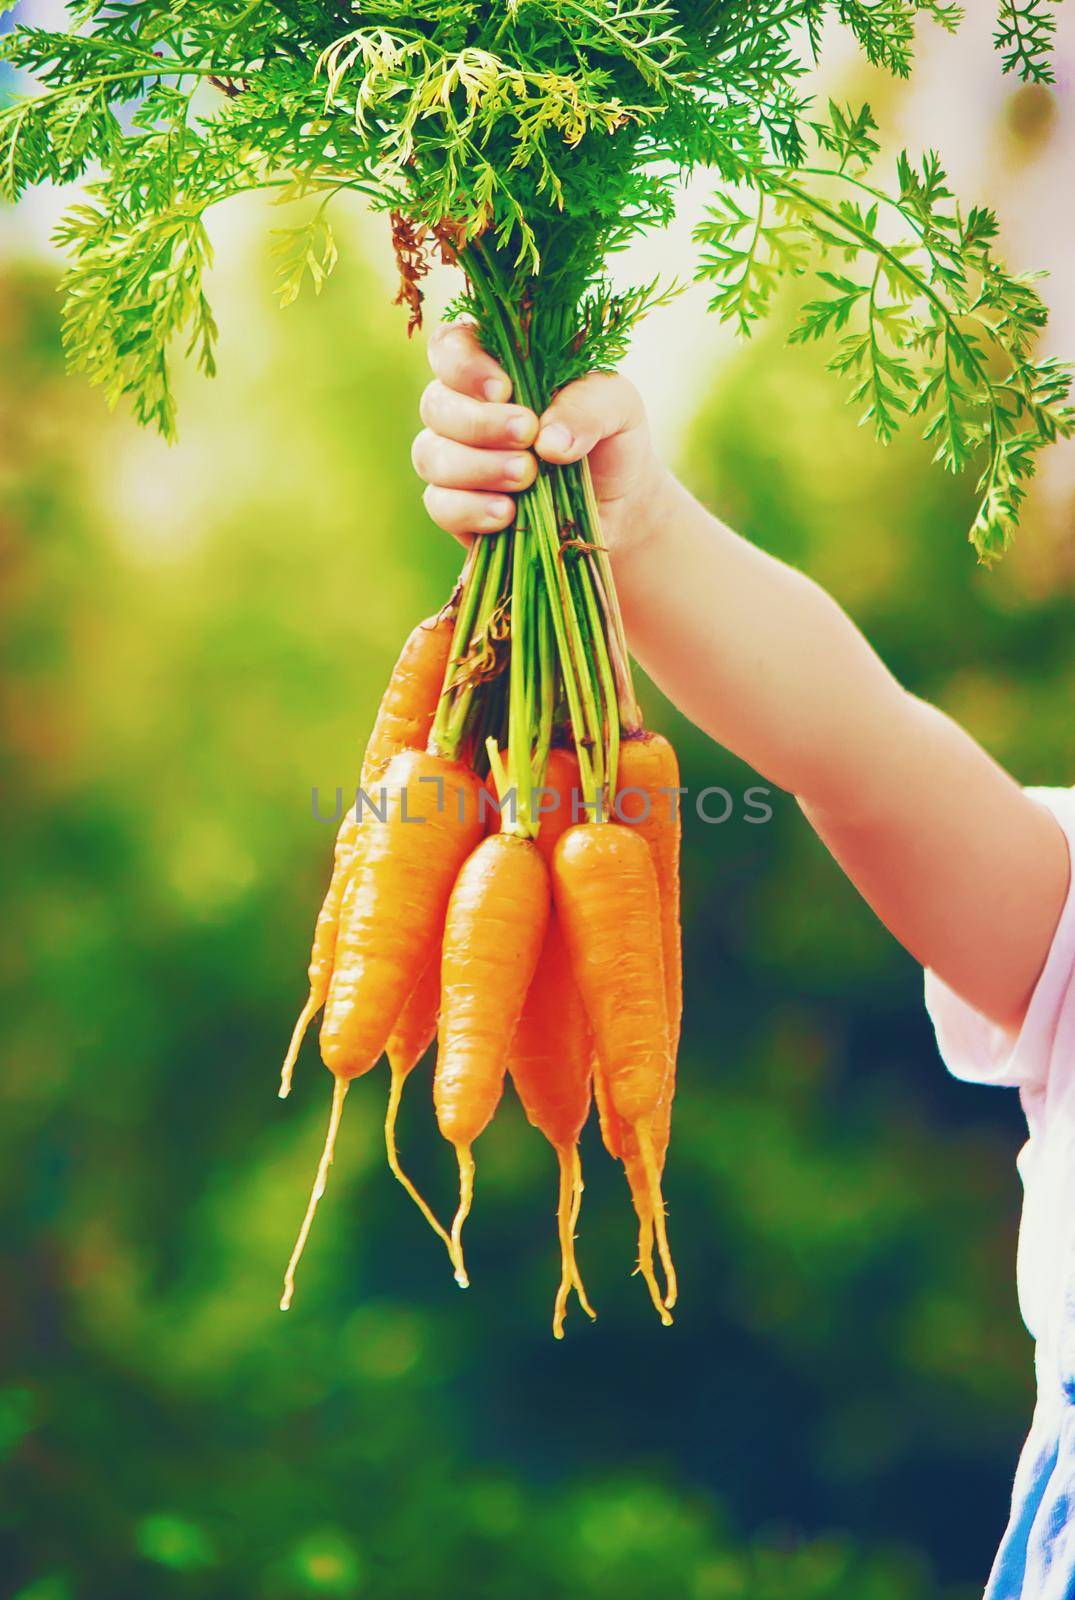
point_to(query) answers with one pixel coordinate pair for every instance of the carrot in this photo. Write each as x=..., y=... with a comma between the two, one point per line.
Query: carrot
x=550, y=1068
x=648, y=801
x=611, y=1126
x=493, y=934
x=390, y=921
x=395, y=903
x=404, y=719
x=563, y=788
x=405, y=715
x=550, y=1062
x=414, y=1032
x=605, y=889
x=319, y=971
x=606, y=894
x=620, y=1142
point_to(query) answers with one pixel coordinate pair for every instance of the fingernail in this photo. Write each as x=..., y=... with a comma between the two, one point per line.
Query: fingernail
x=497, y=511
x=521, y=428
x=496, y=389
x=556, y=438
x=518, y=468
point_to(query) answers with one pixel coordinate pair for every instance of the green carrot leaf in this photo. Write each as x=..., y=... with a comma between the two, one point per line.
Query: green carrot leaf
x=1024, y=36
x=529, y=143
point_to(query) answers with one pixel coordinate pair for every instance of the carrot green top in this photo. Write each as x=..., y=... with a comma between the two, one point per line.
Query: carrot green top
x=544, y=134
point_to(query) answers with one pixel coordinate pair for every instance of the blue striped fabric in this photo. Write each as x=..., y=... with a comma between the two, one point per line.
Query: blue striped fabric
x=1036, y=1560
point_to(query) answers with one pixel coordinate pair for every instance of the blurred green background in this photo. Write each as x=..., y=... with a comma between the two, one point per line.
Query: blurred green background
x=192, y=640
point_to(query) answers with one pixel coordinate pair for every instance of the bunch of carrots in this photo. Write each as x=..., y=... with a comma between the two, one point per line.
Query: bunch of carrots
x=525, y=941
x=526, y=145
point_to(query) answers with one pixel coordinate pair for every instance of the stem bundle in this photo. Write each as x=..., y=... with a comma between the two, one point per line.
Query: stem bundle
x=544, y=590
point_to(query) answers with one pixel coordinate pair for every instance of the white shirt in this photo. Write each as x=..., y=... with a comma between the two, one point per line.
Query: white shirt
x=1040, y=1062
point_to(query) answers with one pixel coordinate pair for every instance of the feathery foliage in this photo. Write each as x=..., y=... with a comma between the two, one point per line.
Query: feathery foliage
x=1024, y=35
x=530, y=140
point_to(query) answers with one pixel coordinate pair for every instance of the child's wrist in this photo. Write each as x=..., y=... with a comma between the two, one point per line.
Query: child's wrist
x=640, y=521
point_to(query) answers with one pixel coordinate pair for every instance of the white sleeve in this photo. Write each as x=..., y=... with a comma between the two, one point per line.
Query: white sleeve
x=977, y=1050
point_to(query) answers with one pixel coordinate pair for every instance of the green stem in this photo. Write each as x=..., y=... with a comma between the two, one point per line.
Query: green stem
x=585, y=713
x=574, y=596
x=559, y=608
x=520, y=704
x=482, y=596
x=593, y=650
x=546, y=686
x=606, y=679
x=473, y=578
x=630, y=713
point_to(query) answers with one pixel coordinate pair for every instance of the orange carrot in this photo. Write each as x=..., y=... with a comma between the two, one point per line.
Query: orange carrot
x=414, y=1032
x=606, y=894
x=323, y=951
x=622, y=1145
x=550, y=1068
x=395, y=903
x=563, y=788
x=390, y=922
x=403, y=722
x=493, y=934
x=649, y=802
x=550, y=1054
x=405, y=716
x=550, y=1062
x=610, y=1124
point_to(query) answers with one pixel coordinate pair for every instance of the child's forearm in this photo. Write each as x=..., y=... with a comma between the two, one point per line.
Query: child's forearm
x=965, y=870
x=755, y=653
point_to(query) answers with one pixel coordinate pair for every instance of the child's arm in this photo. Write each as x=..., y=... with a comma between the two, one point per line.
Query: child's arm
x=967, y=871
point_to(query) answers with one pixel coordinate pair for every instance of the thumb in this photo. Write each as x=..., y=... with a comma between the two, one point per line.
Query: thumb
x=592, y=409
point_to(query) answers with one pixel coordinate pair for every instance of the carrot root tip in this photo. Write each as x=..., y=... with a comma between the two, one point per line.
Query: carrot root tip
x=567, y=1215
x=563, y=1227
x=298, y=1034
x=339, y=1095
x=645, y=1267
x=394, y=1096
x=466, y=1200
x=577, y=1187
x=656, y=1200
x=559, y=1311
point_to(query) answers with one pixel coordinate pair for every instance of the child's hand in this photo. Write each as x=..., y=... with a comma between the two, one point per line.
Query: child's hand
x=477, y=450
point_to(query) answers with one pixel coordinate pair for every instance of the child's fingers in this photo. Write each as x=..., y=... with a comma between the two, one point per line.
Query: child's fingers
x=476, y=422
x=459, y=466
x=462, y=512
x=596, y=407
x=459, y=361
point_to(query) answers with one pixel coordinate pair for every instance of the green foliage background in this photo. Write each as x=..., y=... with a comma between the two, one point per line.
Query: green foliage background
x=192, y=640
